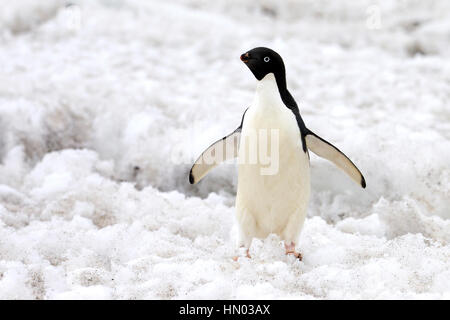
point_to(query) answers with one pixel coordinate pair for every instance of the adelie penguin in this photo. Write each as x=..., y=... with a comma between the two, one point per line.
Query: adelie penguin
x=272, y=202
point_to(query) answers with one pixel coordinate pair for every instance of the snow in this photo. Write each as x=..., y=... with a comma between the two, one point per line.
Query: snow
x=105, y=104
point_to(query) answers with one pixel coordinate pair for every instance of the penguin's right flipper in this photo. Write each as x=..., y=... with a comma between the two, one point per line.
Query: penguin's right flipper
x=222, y=150
x=326, y=150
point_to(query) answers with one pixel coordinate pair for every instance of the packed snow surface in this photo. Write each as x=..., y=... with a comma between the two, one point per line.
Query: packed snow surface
x=105, y=104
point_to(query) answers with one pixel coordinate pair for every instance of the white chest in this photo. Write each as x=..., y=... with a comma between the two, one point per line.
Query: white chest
x=273, y=183
x=269, y=124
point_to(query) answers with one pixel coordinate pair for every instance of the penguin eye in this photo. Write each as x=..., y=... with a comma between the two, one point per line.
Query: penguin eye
x=266, y=59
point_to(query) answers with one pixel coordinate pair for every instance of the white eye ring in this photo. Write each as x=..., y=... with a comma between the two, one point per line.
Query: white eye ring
x=266, y=59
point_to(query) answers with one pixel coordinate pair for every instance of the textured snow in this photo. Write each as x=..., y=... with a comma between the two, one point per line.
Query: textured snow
x=105, y=104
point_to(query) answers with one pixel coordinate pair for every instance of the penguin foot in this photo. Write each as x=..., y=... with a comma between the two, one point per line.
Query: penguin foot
x=247, y=254
x=290, y=249
x=296, y=254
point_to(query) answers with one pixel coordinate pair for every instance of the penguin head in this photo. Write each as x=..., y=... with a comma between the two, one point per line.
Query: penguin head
x=262, y=61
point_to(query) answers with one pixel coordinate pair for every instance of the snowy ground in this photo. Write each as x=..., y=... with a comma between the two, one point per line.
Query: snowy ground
x=104, y=105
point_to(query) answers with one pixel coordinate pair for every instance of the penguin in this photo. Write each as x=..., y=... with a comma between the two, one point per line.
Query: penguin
x=277, y=201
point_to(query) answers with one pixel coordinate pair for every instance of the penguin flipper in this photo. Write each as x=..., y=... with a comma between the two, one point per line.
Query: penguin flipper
x=222, y=150
x=326, y=150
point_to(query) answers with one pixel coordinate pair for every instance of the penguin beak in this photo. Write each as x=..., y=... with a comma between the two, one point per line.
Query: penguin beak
x=245, y=57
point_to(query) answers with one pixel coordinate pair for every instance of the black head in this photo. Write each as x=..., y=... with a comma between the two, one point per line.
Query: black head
x=262, y=61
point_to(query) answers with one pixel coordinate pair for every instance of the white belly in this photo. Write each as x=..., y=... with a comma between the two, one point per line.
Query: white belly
x=274, y=202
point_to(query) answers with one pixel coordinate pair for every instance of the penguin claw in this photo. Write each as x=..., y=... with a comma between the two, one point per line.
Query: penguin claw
x=235, y=258
x=296, y=254
x=290, y=249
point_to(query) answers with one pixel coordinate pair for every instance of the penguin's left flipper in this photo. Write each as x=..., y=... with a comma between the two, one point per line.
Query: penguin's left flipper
x=222, y=150
x=326, y=150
